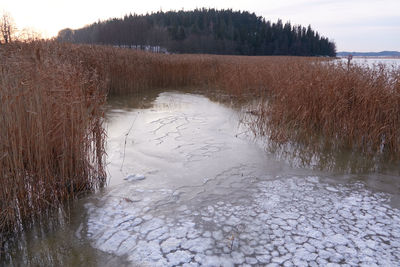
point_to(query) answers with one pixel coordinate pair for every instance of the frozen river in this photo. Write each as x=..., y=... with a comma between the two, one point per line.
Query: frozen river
x=189, y=187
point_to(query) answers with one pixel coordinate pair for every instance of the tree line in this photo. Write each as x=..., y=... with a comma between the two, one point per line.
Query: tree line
x=204, y=31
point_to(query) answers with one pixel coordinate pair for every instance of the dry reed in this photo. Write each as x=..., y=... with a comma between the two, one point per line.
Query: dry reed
x=128, y=71
x=322, y=104
x=51, y=134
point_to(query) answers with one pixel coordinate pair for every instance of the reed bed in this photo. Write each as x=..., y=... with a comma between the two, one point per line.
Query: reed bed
x=128, y=71
x=322, y=104
x=52, y=97
x=51, y=134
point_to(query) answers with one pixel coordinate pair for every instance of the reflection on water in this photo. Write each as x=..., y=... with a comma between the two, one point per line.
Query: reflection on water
x=319, y=155
x=334, y=159
x=188, y=185
x=56, y=241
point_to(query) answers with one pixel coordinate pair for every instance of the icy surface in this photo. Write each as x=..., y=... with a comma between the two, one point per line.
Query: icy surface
x=293, y=230
x=134, y=177
x=213, y=199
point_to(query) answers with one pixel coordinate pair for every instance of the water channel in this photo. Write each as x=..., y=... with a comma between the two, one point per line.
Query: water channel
x=190, y=186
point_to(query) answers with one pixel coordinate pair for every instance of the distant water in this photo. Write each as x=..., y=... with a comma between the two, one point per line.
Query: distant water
x=390, y=62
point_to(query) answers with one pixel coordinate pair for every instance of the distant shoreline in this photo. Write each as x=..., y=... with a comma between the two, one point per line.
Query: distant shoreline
x=373, y=57
x=382, y=54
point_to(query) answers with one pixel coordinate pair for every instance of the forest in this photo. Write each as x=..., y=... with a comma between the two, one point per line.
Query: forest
x=205, y=31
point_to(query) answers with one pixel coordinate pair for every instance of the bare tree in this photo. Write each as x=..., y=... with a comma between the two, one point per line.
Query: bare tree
x=7, y=28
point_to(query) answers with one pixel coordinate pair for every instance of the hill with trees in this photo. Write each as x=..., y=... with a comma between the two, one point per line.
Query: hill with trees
x=204, y=31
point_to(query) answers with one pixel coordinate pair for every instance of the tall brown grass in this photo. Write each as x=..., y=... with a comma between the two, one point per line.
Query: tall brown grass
x=128, y=71
x=51, y=134
x=322, y=104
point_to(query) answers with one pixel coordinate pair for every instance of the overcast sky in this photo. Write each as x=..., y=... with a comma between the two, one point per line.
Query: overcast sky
x=354, y=25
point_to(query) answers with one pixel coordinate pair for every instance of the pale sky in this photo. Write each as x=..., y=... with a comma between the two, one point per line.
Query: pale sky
x=354, y=25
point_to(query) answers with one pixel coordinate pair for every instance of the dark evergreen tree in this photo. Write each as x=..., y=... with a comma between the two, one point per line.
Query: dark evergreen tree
x=205, y=31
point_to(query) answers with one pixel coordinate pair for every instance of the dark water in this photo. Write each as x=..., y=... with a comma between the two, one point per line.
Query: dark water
x=189, y=186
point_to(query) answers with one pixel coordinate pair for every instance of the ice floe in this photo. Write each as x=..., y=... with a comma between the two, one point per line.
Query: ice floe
x=293, y=231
